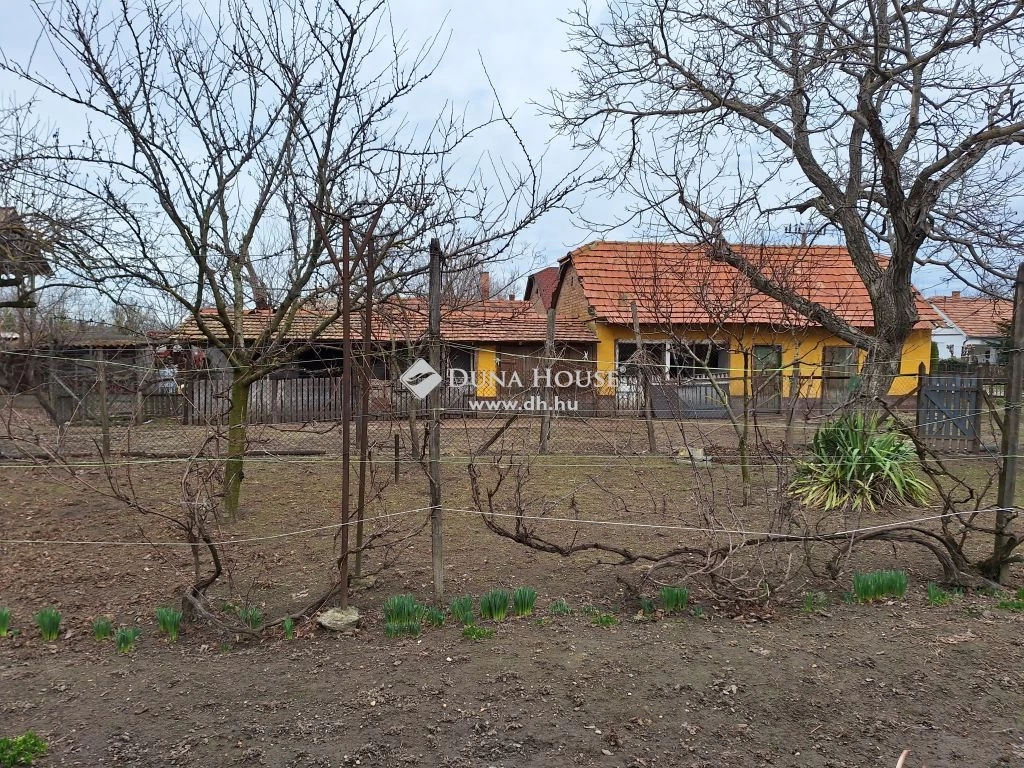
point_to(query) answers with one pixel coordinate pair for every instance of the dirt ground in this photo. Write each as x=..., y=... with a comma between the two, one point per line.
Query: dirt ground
x=844, y=685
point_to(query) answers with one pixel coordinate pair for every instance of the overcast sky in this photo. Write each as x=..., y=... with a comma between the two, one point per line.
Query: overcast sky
x=521, y=43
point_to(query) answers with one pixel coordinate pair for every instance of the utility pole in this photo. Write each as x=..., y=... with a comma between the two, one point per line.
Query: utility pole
x=346, y=400
x=1011, y=436
x=434, y=404
x=645, y=380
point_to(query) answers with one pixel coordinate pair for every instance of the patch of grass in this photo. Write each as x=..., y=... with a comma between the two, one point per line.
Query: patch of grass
x=102, y=628
x=814, y=602
x=879, y=584
x=48, y=621
x=697, y=612
x=494, y=605
x=987, y=591
x=434, y=617
x=606, y=619
x=560, y=608
x=646, y=606
x=938, y=596
x=5, y=622
x=1016, y=604
x=251, y=616
x=21, y=750
x=846, y=597
x=288, y=625
x=403, y=615
x=674, y=599
x=473, y=632
x=125, y=639
x=590, y=610
x=169, y=620
x=462, y=610
x=523, y=600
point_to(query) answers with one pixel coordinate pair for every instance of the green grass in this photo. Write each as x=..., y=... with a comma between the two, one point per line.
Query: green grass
x=288, y=625
x=697, y=611
x=102, y=628
x=1016, y=604
x=48, y=621
x=462, y=610
x=674, y=599
x=879, y=584
x=169, y=620
x=560, y=608
x=494, y=605
x=523, y=600
x=814, y=602
x=251, y=616
x=125, y=639
x=938, y=596
x=434, y=617
x=647, y=606
x=5, y=622
x=473, y=632
x=403, y=615
x=21, y=750
x=606, y=619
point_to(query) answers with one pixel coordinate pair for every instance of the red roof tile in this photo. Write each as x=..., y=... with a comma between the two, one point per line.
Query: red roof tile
x=978, y=317
x=679, y=284
x=542, y=283
x=405, y=320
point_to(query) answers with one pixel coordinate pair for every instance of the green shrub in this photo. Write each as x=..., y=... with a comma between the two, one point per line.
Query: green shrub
x=125, y=639
x=560, y=608
x=21, y=750
x=879, y=584
x=48, y=621
x=858, y=461
x=674, y=599
x=462, y=610
x=494, y=605
x=102, y=628
x=169, y=620
x=474, y=632
x=403, y=615
x=5, y=621
x=523, y=600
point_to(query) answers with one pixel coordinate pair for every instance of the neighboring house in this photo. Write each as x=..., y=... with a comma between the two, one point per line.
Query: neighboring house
x=21, y=260
x=702, y=319
x=972, y=327
x=540, y=288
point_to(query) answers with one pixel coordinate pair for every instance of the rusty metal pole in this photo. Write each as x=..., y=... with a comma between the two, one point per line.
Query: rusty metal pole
x=346, y=401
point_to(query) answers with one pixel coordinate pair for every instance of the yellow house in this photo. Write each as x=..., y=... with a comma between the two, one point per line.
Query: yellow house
x=701, y=318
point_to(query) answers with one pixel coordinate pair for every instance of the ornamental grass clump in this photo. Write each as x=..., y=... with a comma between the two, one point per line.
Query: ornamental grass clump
x=523, y=600
x=434, y=617
x=5, y=622
x=560, y=607
x=48, y=621
x=494, y=605
x=938, y=596
x=288, y=625
x=403, y=615
x=462, y=610
x=169, y=620
x=102, y=628
x=674, y=599
x=251, y=616
x=879, y=584
x=125, y=639
x=858, y=461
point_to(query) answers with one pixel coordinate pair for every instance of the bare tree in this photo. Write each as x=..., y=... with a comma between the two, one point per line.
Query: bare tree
x=899, y=124
x=217, y=142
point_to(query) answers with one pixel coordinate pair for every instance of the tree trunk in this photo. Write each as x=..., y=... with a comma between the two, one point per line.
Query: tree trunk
x=879, y=371
x=237, y=435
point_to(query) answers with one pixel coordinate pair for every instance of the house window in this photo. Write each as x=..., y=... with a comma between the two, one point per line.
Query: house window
x=687, y=361
x=626, y=356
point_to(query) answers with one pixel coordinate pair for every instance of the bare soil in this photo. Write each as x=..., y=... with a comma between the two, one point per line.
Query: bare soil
x=846, y=685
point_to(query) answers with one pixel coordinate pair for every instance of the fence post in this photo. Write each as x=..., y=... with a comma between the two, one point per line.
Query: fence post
x=1011, y=433
x=104, y=409
x=645, y=380
x=549, y=354
x=434, y=398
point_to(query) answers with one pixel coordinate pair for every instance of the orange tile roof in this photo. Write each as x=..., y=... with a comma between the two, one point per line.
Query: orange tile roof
x=405, y=320
x=976, y=316
x=545, y=281
x=679, y=284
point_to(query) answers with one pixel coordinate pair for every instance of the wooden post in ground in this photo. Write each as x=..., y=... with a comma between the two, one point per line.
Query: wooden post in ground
x=363, y=435
x=434, y=404
x=549, y=359
x=346, y=403
x=1011, y=435
x=103, y=410
x=645, y=381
